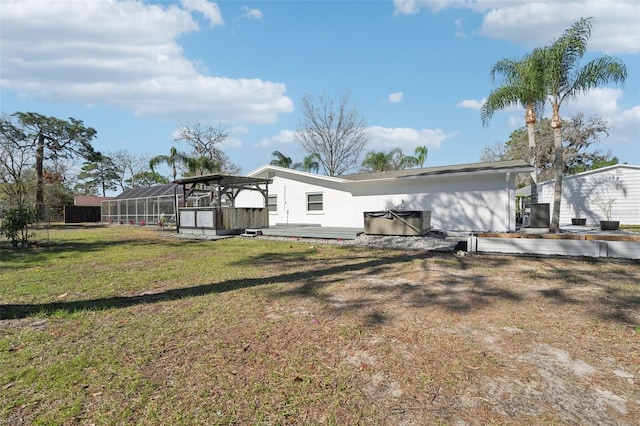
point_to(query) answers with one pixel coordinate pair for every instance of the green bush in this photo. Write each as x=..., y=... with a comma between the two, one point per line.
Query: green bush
x=15, y=225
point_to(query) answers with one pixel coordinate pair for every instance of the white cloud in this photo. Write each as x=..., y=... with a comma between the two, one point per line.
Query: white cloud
x=283, y=137
x=124, y=54
x=627, y=126
x=209, y=10
x=605, y=103
x=537, y=22
x=234, y=140
x=239, y=130
x=598, y=101
x=406, y=7
x=472, y=104
x=515, y=122
x=615, y=28
x=458, y=25
x=251, y=13
x=411, y=7
x=382, y=138
x=395, y=97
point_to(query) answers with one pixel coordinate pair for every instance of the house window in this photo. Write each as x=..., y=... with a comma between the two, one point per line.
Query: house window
x=314, y=202
x=272, y=203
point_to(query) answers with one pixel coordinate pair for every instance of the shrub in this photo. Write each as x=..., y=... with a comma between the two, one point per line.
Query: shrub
x=15, y=225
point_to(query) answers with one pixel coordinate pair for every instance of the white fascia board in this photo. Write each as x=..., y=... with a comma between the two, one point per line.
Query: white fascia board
x=279, y=171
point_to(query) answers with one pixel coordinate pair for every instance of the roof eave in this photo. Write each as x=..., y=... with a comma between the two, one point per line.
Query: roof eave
x=522, y=169
x=295, y=172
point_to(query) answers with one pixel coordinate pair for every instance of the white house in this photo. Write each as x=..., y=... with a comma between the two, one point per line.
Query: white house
x=467, y=197
x=611, y=192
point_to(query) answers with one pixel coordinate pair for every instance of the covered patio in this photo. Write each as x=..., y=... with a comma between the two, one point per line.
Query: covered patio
x=215, y=212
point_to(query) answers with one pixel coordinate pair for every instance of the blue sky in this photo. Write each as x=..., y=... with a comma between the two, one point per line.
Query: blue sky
x=418, y=71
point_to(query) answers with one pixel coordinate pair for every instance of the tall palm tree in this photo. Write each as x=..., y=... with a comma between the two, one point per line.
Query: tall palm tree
x=522, y=84
x=565, y=79
x=281, y=160
x=173, y=159
x=310, y=163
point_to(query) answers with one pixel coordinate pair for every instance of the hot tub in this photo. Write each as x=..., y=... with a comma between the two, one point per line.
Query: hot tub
x=397, y=222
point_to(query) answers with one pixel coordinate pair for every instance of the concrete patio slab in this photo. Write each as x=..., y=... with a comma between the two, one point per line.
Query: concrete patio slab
x=313, y=232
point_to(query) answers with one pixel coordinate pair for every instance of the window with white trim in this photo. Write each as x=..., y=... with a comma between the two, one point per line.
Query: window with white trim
x=314, y=202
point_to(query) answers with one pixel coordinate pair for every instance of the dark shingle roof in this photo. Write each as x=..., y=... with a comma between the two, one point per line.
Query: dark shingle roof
x=499, y=166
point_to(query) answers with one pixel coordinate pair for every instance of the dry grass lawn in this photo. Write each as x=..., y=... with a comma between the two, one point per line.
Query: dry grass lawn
x=122, y=325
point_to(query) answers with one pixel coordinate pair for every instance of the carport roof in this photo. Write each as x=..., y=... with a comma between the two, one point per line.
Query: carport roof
x=222, y=180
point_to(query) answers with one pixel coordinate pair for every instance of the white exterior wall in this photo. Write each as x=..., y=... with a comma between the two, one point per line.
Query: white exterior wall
x=462, y=203
x=292, y=202
x=479, y=202
x=582, y=195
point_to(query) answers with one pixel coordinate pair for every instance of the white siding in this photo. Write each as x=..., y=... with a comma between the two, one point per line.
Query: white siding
x=292, y=203
x=480, y=202
x=583, y=195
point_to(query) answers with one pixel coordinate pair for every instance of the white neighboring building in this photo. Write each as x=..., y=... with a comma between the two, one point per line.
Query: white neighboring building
x=467, y=197
x=589, y=194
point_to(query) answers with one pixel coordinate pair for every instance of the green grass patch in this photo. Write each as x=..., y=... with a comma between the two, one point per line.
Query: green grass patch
x=126, y=325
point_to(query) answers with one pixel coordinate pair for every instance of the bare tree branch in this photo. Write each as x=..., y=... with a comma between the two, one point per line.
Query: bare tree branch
x=337, y=136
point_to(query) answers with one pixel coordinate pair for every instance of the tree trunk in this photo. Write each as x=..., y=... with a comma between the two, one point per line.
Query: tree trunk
x=530, y=119
x=558, y=166
x=40, y=208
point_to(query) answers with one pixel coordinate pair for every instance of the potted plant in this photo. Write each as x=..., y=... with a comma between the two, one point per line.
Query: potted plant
x=577, y=220
x=606, y=205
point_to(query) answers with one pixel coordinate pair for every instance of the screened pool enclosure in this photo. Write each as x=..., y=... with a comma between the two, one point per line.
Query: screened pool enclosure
x=199, y=204
x=139, y=206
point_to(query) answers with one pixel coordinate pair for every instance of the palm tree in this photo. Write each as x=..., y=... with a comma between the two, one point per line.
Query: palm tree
x=522, y=84
x=310, y=163
x=405, y=162
x=375, y=161
x=173, y=159
x=380, y=161
x=564, y=79
x=281, y=160
x=201, y=165
x=420, y=154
